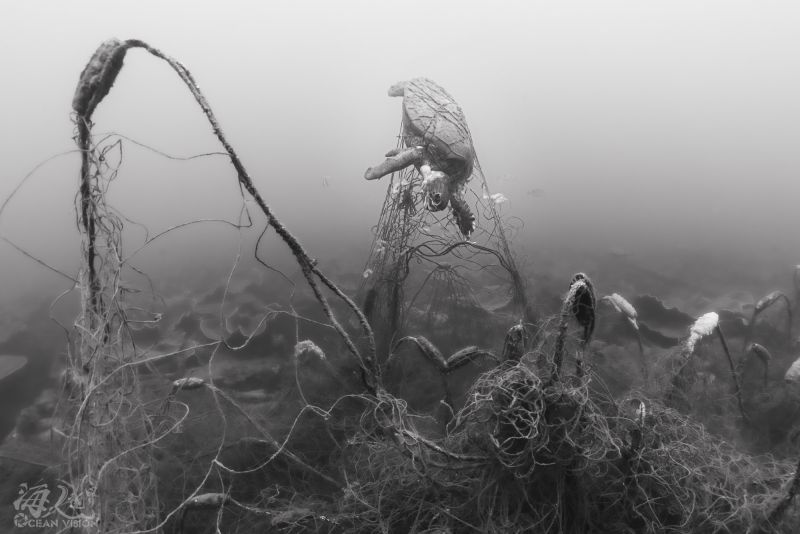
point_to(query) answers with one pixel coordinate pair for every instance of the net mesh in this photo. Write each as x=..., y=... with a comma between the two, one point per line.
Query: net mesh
x=430, y=254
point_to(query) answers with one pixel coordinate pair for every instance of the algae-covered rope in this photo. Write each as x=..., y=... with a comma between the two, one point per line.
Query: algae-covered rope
x=96, y=80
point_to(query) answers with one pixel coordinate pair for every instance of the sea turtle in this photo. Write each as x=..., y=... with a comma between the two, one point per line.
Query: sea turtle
x=437, y=141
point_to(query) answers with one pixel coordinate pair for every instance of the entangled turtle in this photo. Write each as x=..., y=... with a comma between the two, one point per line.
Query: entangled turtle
x=437, y=142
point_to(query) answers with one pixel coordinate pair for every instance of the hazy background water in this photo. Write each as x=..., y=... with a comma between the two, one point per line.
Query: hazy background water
x=661, y=135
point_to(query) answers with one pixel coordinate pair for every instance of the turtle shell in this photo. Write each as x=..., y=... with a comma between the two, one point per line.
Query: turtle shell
x=433, y=119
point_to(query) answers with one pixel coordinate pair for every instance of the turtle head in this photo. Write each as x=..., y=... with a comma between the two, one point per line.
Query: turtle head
x=437, y=191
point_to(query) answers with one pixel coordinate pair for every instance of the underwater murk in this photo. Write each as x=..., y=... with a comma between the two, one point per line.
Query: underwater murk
x=440, y=388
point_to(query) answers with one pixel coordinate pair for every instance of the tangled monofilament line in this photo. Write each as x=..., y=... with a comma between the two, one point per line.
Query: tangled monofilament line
x=557, y=461
x=113, y=434
x=529, y=451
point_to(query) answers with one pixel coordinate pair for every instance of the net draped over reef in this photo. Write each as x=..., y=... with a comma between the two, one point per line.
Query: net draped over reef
x=270, y=403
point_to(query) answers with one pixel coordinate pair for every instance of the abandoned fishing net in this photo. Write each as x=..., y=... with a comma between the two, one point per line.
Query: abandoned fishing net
x=177, y=416
x=169, y=401
x=440, y=234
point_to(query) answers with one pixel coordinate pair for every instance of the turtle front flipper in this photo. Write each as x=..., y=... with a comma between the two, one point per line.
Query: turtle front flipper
x=395, y=162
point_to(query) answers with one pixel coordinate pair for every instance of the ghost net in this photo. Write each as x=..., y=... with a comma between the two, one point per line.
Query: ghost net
x=125, y=428
x=456, y=264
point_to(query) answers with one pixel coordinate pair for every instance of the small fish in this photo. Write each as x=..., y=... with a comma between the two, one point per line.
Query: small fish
x=769, y=300
x=536, y=193
x=623, y=306
x=188, y=382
